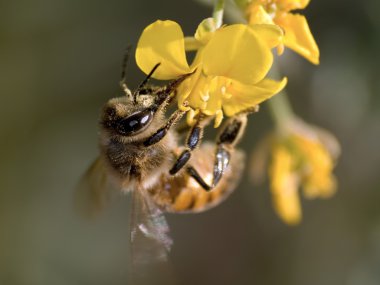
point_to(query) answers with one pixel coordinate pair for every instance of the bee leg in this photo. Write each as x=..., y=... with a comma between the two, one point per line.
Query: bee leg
x=192, y=141
x=232, y=130
x=174, y=118
x=222, y=159
x=160, y=93
x=166, y=95
x=230, y=134
x=194, y=173
x=228, y=137
x=161, y=133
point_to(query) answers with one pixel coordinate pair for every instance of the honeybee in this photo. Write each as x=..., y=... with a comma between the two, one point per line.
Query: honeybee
x=140, y=152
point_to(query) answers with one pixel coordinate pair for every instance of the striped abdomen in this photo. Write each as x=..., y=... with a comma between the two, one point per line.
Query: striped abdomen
x=183, y=194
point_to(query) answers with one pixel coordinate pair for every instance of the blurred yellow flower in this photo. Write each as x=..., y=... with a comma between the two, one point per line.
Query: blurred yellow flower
x=297, y=34
x=302, y=156
x=229, y=66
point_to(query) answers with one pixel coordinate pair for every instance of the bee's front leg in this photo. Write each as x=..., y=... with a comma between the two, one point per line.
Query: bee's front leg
x=161, y=132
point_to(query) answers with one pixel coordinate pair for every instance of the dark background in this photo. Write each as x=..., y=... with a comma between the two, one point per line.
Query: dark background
x=60, y=62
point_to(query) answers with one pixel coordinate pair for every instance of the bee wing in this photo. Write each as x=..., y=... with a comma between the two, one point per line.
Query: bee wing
x=93, y=190
x=150, y=241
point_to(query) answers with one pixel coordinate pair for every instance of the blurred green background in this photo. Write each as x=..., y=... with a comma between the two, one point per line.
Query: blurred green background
x=60, y=62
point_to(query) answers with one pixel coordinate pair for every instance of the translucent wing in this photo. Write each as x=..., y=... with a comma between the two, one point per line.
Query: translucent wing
x=149, y=230
x=150, y=242
x=93, y=190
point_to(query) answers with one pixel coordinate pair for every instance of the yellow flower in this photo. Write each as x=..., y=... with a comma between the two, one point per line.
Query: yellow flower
x=298, y=36
x=284, y=185
x=302, y=156
x=230, y=65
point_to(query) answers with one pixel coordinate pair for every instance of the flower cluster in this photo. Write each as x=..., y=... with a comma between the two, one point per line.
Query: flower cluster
x=229, y=67
x=303, y=156
x=297, y=34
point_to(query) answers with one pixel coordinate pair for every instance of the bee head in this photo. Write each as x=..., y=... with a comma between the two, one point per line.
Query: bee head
x=125, y=118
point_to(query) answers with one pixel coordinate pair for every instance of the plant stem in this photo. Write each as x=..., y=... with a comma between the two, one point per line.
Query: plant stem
x=281, y=110
x=218, y=13
x=191, y=44
x=279, y=106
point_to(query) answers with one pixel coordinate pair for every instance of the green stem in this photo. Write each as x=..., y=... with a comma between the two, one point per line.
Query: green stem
x=218, y=13
x=280, y=107
x=191, y=44
x=281, y=110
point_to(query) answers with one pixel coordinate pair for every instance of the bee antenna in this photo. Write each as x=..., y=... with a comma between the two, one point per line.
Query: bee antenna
x=145, y=81
x=124, y=64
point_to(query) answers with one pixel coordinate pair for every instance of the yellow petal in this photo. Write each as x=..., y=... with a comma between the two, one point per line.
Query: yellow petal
x=319, y=185
x=246, y=96
x=318, y=177
x=298, y=36
x=280, y=49
x=271, y=34
x=256, y=14
x=287, y=206
x=184, y=90
x=316, y=164
x=190, y=117
x=237, y=53
x=218, y=118
x=162, y=42
x=284, y=184
x=199, y=91
x=293, y=4
x=213, y=105
x=205, y=30
x=213, y=96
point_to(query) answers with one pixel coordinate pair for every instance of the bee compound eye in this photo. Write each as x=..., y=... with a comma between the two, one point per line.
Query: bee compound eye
x=135, y=123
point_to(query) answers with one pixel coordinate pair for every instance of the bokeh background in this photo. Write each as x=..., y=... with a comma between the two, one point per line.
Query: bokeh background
x=60, y=61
